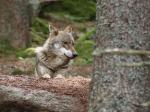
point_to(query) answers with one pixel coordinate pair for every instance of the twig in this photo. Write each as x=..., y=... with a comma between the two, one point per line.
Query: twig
x=117, y=51
x=146, y=104
x=136, y=64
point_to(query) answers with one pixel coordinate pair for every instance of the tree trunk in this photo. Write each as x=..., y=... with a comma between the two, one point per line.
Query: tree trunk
x=121, y=24
x=36, y=6
x=14, y=22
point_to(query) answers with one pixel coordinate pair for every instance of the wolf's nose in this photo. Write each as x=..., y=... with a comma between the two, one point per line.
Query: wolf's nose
x=75, y=55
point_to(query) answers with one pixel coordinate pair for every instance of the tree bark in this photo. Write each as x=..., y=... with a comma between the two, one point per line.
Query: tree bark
x=14, y=22
x=123, y=24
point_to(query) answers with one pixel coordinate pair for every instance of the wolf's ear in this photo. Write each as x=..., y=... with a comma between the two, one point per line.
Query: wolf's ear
x=75, y=36
x=52, y=30
x=68, y=29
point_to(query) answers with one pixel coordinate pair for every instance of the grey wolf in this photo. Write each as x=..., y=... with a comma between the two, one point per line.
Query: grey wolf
x=56, y=52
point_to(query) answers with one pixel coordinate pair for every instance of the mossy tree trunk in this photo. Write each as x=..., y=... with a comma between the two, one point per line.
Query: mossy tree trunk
x=121, y=24
x=14, y=22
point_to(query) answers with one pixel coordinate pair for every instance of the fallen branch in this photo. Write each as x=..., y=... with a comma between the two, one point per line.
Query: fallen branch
x=136, y=64
x=116, y=51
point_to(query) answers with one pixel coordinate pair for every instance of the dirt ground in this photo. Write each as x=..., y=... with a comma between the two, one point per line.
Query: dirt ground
x=14, y=66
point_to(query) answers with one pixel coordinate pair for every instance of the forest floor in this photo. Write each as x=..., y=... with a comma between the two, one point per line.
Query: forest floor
x=18, y=73
x=15, y=66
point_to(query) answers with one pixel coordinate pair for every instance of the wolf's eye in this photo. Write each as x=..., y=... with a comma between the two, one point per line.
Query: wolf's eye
x=73, y=43
x=65, y=43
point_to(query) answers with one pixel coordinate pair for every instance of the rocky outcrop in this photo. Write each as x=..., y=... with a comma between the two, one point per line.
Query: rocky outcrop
x=24, y=94
x=20, y=100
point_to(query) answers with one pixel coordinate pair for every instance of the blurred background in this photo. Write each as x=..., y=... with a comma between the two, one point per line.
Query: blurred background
x=24, y=26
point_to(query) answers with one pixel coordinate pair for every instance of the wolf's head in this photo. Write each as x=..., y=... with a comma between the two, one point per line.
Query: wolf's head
x=62, y=43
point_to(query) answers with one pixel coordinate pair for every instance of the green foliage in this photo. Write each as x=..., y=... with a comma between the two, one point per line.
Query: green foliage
x=39, y=31
x=40, y=25
x=36, y=39
x=29, y=52
x=84, y=47
x=80, y=8
x=76, y=10
x=6, y=48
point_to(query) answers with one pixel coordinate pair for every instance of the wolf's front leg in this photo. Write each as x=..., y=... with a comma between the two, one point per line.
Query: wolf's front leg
x=41, y=71
x=59, y=76
x=42, y=74
x=47, y=73
x=61, y=73
x=46, y=76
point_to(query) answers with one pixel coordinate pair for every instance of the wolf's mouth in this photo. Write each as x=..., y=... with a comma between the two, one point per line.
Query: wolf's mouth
x=70, y=57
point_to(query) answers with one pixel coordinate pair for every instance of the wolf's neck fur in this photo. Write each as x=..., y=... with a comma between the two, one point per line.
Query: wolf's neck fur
x=46, y=44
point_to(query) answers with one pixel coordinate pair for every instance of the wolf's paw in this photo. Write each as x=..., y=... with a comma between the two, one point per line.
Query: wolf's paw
x=46, y=76
x=59, y=76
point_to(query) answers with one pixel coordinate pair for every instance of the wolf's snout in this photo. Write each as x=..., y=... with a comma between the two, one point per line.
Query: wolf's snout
x=75, y=55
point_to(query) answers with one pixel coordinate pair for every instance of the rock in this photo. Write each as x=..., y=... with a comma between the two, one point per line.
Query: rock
x=27, y=94
x=22, y=100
